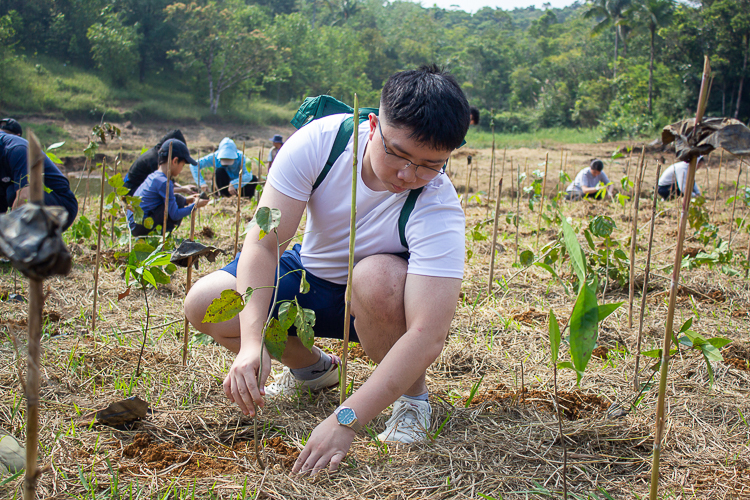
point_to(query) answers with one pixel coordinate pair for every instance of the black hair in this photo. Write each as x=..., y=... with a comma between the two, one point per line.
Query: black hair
x=11, y=125
x=474, y=113
x=597, y=165
x=429, y=102
x=164, y=158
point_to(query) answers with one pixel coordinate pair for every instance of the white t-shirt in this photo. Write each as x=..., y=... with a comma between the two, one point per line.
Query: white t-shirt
x=434, y=233
x=677, y=174
x=586, y=179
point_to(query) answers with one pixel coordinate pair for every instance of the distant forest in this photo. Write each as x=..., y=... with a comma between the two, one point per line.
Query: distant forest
x=627, y=67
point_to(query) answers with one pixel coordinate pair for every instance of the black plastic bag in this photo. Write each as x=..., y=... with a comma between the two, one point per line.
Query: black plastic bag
x=187, y=249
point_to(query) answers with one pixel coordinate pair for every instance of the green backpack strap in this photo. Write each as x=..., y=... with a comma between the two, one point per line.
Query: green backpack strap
x=318, y=107
x=339, y=145
x=406, y=211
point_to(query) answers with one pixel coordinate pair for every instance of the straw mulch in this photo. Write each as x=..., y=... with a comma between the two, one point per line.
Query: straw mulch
x=502, y=442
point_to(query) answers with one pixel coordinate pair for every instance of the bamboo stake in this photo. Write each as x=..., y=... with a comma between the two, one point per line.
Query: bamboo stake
x=36, y=305
x=98, y=248
x=627, y=168
x=502, y=170
x=468, y=179
x=647, y=271
x=718, y=181
x=239, y=202
x=734, y=204
x=492, y=158
x=541, y=204
x=166, y=195
x=494, y=238
x=518, y=202
x=557, y=184
x=92, y=165
x=634, y=234
x=673, y=293
x=188, y=284
x=112, y=217
x=352, y=230
x=562, y=436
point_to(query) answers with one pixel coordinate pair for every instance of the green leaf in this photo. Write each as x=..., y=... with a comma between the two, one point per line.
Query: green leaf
x=711, y=353
x=304, y=286
x=224, y=308
x=116, y=181
x=568, y=365
x=653, y=353
x=718, y=342
x=56, y=145
x=304, y=322
x=53, y=157
x=686, y=325
x=160, y=276
x=607, y=309
x=577, y=260
x=122, y=191
x=554, y=336
x=602, y=226
x=275, y=338
x=584, y=327
x=526, y=258
x=268, y=219
x=287, y=314
x=589, y=239
x=149, y=277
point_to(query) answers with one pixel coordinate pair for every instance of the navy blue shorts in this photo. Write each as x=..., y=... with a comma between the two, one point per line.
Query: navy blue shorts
x=325, y=298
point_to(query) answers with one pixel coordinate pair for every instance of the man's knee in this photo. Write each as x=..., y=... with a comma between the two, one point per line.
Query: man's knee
x=378, y=283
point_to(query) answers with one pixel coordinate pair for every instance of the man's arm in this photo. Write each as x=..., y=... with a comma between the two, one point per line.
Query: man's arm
x=257, y=268
x=429, y=304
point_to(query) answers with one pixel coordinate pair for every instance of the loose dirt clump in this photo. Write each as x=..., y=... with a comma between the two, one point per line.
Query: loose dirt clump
x=286, y=455
x=156, y=457
x=101, y=360
x=207, y=232
x=355, y=352
x=691, y=252
x=574, y=405
x=531, y=316
x=601, y=352
x=737, y=355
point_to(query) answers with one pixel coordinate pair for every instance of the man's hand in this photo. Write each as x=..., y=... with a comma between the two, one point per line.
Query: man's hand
x=328, y=444
x=22, y=196
x=241, y=383
x=232, y=190
x=201, y=202
x=204, y=188
x=186, y=189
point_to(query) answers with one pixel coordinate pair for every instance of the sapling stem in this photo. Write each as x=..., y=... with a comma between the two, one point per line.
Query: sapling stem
x=518, y=202
x=562, y=436
x=112, y=217
x=492, y=157
x=541, y=204
x=188, y=284
x=239, y=202
x=734, y=204
x=352, y=231
x=647, y=271
x=166, y=195
x=145, y=330
x=36, y=305
x=718, y=181
x=98, y=250
x=502, y=169
x=630, y=158
x=468, y=179
x=634, y=234
x=667, y=344
x=494, y=238
x=557, y=184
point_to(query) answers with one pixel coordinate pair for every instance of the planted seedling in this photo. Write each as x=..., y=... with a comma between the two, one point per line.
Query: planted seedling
x=275, y=331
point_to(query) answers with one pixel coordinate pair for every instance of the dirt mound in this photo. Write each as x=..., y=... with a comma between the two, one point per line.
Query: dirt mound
x=104, y=359
x=530, y=317
x=192, y=463
x=286, y=455
x=355, y=352
x=601, y=352
x=574, y=405
x=737, y=355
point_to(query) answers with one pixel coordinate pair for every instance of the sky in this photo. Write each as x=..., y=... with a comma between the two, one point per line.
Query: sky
x=474, y=5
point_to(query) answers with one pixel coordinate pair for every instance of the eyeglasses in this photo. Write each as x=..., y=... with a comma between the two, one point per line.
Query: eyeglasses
x=426, y=173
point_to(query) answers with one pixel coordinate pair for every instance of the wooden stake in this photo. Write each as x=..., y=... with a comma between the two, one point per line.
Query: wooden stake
x=668, y=331
x=502, y=170
x=734, y=204
x=494, y=238
x=98, y=248
x=718, y=181
x=468, y=179
x=562, y=165
x=112, y=217
x=541, y=204
x=36, y=305
x=627, y=168
x=636, y=382
x=188, y=284
x=352, y=230
x=492, y=157
x=634, y=234
x=239, y=202
x=166, y=195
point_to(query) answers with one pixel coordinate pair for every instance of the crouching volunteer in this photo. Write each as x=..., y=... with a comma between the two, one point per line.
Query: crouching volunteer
x=14, y=179
x=591, y=182
x=672, y=181
x=407, y=277
x=227, y=162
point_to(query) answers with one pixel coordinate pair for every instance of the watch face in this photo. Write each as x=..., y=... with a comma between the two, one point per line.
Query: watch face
x=346, y=416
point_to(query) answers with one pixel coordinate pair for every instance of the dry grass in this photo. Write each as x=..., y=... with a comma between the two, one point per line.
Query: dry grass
x=505, y=443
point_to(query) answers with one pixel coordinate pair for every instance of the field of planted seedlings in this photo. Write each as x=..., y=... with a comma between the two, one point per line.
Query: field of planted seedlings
x=518, y=344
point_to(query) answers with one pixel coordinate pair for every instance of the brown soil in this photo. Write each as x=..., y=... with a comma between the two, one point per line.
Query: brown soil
x=355, y=352
x=737, y=355
x=574, y=405
x=104, y=359
x=601, y=352
x=207, y=232
x=196, y=462
x=286, y=455
x=531, y=316
x=709, y=295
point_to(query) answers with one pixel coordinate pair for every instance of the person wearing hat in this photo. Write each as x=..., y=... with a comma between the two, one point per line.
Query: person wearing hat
x=11, y=126
x=227, y=161
x=14, y=189
x=589, y=183
x=153, y=191
x=672, y=181
x=148, y=162
x=277, y=141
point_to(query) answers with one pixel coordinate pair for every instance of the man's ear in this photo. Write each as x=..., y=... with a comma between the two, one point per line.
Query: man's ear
x=373, y=122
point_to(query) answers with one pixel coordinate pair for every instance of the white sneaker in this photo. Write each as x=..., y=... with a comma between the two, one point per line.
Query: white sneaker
x=409, y=422
x=287, y=383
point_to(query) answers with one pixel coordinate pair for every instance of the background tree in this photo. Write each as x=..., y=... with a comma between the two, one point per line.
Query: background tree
x=609, y=13
x=114, y=47
x=216, y=37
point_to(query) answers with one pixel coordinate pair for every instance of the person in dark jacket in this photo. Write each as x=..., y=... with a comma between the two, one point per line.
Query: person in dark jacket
x=11, y=126
x=14, y=189
x=148, y=162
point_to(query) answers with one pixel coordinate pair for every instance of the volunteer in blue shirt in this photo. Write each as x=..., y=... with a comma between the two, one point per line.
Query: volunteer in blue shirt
x=227, y=161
